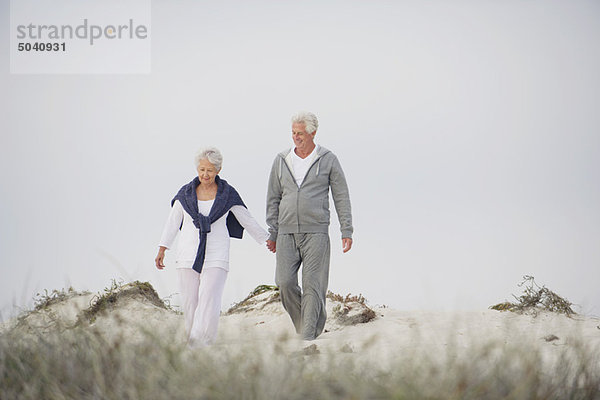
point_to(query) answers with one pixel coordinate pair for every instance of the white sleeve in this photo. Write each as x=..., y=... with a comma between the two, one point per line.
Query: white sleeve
x=172, y=226
x=249, y=223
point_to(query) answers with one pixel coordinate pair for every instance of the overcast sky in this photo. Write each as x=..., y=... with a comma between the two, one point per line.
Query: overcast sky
x=469, y=132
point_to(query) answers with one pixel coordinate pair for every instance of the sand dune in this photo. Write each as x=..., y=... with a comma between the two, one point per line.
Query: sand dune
x=127, y=343
x=378, y=335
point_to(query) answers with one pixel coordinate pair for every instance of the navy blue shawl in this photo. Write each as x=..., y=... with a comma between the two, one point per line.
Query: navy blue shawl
x=226, y=198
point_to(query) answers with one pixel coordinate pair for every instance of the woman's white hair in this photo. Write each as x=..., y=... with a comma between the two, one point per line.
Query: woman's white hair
x=309, y=120
x=212, y=155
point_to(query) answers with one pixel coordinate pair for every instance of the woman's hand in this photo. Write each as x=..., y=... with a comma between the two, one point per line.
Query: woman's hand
x=272, y=246
x=159, y=260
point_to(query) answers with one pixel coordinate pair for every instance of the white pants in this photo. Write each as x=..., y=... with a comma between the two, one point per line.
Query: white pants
x=202, y=294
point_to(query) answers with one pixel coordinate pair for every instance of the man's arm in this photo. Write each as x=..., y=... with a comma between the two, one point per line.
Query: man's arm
x=341, y=199
x=273, y=199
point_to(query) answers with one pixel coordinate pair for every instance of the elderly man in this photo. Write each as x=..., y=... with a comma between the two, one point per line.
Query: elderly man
x=298, y=219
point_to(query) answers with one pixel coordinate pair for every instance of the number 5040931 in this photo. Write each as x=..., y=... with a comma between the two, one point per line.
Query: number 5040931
x=37, y=46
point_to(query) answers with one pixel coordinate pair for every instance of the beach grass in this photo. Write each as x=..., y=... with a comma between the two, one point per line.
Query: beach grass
x=80, y=364
x=99, y=358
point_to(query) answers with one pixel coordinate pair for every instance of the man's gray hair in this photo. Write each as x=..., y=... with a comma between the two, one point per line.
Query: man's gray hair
x=212, y=155
x=309, y=120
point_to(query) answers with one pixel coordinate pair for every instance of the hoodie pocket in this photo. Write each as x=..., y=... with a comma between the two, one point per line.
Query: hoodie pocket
x=325, y=210
x=311, y=211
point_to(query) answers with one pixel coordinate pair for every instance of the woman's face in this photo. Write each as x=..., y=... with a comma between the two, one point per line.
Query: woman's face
x=206, y=172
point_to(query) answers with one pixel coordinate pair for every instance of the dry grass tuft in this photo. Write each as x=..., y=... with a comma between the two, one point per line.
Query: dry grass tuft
x=348, y=299
x=352, y=309
x=536, y=298
x=44, y=300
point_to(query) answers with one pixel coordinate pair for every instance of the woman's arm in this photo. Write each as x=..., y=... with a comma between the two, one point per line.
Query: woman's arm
x=169, y=232
x=249, y=223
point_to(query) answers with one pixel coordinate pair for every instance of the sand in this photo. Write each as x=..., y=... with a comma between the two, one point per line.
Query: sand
x=397, y=334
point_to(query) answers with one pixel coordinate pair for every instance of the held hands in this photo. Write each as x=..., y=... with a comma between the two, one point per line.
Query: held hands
x=159, y=260
x=272, y=246
x=346, y=244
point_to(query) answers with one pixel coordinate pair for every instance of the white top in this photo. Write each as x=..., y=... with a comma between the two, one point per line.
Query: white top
x=217, y=240
x=300, y=166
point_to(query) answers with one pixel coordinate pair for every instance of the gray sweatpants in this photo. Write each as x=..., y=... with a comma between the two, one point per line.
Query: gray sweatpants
x=306, y=307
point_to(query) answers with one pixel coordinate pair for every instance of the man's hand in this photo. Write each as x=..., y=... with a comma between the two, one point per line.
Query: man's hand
x=272, y=246
x=346, y=244
x=159, y=260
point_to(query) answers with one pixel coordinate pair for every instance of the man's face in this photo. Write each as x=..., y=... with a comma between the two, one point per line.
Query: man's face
x=303, y=141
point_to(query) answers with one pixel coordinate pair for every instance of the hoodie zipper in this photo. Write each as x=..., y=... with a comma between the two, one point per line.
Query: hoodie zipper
x=317, y=160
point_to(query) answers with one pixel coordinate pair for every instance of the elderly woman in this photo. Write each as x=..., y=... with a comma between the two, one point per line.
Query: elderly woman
x=205, y=213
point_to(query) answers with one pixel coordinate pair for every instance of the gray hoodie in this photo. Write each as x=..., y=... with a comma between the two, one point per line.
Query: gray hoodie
x=305, y=209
